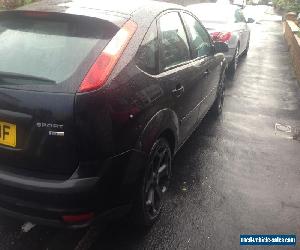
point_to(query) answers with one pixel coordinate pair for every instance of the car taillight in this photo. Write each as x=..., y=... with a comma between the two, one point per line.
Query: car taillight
x=78, y=218
x=221, y=37
x=105, y=63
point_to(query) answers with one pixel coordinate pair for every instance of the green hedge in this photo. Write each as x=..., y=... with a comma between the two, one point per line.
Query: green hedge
x=288, y=5
x=10, y=4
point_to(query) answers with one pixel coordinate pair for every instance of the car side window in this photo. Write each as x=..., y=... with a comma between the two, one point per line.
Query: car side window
x=239, y=17
x=200, y=40
x=146, y=57
x=174, y=48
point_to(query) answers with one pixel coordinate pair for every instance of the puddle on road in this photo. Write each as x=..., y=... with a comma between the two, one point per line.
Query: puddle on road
x=287, y=131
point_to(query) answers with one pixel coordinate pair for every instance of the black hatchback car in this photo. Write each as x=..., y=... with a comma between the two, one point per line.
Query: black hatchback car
x=95, y=100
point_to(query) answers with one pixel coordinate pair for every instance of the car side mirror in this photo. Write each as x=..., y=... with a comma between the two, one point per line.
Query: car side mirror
x=250, y=20
x=220, y=47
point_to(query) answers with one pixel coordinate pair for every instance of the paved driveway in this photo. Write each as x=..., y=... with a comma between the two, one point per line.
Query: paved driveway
x=235, y=175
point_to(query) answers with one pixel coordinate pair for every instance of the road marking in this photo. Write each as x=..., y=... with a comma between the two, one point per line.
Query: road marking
x=283, y=128
x=287, y=131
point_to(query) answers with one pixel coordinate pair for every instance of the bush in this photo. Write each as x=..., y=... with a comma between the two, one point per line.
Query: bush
x=11, y=4
x=288, y=5
x=293, y=7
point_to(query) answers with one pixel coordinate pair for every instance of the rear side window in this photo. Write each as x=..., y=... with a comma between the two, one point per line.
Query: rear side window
x=200, y=41
x=146, y=57
x=47, y=50
x=174, y=47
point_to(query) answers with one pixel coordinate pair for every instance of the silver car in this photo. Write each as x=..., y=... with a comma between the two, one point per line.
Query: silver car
x=226, y=23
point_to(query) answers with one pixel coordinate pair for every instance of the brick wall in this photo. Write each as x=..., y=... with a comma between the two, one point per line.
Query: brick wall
x=294, y=45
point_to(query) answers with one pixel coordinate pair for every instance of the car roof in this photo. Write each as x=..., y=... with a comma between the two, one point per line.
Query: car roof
x=91, y=7
x=213, y=5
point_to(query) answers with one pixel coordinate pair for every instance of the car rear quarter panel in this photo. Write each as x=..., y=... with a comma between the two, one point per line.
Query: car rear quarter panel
x=233, y=42
x=139, y=107
x=111, y=120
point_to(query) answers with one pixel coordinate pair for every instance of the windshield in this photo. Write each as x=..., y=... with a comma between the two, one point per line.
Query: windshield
x=213, y=14
x=44, y=51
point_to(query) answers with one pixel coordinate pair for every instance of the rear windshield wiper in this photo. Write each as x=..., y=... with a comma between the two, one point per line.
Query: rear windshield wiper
x=16, y=78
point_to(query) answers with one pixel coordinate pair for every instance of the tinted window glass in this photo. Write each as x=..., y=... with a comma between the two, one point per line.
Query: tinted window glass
x=174, y=46
x=147, y=54
x=200, y=41
x=42, y=48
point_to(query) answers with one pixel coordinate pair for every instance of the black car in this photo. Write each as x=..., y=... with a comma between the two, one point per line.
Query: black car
x=95, y=100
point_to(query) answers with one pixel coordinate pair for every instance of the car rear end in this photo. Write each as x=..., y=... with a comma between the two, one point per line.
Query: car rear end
x=49, y=167
x=218, y=19
x=225, y=34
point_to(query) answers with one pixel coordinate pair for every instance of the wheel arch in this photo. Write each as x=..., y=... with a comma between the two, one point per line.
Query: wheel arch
x=165, y=124
x=170, y=137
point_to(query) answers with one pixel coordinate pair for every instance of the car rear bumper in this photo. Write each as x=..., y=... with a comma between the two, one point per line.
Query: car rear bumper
x=57, y=222
x=107, y=194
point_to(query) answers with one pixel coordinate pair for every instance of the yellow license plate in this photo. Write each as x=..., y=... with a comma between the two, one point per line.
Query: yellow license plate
x=8, y=134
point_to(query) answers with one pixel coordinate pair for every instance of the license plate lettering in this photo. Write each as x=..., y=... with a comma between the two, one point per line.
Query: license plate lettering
x=8, y=134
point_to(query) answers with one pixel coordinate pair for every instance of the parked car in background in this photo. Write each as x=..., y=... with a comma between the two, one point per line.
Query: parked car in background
x=226, y=23
x=95, y=100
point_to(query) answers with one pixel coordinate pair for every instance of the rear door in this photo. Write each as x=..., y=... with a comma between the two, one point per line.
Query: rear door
x=178, y=73
x=44, y=58
x=207, y=67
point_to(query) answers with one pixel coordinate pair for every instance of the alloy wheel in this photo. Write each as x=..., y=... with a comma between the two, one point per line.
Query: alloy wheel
x=157, y=179
x=221, y=97
x=236, y=57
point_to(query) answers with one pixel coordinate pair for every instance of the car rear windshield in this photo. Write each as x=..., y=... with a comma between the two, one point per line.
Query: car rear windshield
x=39, y=49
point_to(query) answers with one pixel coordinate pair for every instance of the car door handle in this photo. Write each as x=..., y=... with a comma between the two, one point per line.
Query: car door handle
x=206, y=73
x=178, y=91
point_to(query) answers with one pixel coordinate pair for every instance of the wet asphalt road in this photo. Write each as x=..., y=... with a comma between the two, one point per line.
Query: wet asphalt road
x=234, y=175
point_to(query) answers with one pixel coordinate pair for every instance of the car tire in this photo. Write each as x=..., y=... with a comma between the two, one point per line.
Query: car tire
x=155, y=183
x=217, y=107
x=247, y=48
x=234, y=63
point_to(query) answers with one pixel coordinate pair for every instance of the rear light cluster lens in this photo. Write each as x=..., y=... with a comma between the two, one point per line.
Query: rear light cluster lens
x=220, y=36
x=78, y=218
x=105, y=63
